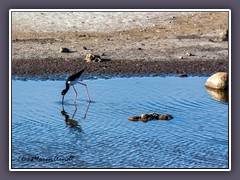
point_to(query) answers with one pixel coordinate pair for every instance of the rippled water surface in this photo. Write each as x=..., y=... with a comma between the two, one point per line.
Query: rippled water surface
x=197, y=137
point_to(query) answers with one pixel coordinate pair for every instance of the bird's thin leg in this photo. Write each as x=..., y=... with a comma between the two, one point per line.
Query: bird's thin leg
x=76, y=94
x=62, y=101
x=85, y=115
x=74, y=111
x=86, y=90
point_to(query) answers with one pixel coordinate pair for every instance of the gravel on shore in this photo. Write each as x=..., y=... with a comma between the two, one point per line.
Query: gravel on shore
x=49, y=68
x=130, y=43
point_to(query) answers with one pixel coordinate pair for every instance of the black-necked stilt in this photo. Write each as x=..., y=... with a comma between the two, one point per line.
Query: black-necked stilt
x=71, y=81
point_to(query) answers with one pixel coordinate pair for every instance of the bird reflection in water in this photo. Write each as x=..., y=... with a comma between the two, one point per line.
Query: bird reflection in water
x=73, y=123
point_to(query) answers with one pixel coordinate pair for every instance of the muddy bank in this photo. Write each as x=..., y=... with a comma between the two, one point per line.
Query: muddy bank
x=150, y=43
x=59, y=67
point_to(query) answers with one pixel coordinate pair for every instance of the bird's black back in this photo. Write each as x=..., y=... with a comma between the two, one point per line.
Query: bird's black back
x=76, y=76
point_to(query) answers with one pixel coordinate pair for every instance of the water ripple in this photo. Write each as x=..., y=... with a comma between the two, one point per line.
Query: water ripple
x=197, y=137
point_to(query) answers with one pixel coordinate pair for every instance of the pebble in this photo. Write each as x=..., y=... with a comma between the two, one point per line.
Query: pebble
x=182, y=75
x=189, y=54
x=223, y=36
x=64, y=50
x=92, y=58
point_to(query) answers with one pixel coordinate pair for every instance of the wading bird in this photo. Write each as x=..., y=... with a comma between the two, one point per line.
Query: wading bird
x=71, y=81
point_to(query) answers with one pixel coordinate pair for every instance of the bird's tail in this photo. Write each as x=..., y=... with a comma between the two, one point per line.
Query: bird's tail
x=80, y=72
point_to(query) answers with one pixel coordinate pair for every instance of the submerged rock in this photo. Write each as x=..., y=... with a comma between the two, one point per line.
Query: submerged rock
x=134, y=118
x=153, y=115
x=165, y=117
x=150, y=116
x=144, y=116
x=218, y=81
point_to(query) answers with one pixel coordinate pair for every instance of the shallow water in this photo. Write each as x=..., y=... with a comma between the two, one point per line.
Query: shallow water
x=197, y=137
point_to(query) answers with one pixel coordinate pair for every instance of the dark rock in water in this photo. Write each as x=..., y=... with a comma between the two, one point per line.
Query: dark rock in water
x=134, y=118
x=182, y=75
x=144, y=120
x=150, y=116
x=165, y=117
x=144, y=116
x=64, y=50
x=153, y=115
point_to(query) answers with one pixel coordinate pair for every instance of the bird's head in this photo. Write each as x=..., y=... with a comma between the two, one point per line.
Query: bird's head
x=64, y=92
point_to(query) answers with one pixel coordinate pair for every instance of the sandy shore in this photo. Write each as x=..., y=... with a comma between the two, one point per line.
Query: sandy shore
x=131, y=43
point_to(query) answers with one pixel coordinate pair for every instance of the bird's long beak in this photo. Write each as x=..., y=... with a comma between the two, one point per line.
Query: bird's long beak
x=62, y=99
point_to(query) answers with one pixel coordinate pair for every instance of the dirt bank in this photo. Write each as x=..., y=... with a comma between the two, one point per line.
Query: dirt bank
x=133, y=44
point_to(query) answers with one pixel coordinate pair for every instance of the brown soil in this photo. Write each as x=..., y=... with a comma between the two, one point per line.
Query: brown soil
x=140, y=51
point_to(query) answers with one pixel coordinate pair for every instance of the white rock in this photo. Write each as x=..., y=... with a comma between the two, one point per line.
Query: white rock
x=218, y=81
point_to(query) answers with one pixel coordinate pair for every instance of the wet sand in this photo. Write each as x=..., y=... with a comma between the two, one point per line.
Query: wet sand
x=129, y=44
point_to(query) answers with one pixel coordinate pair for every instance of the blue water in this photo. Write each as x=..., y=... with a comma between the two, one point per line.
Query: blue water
x=197, y=137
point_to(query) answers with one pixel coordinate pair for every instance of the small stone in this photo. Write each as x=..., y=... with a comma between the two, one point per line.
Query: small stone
x=139, y=48
x=223, y=36
x=165, y=117
x=92, y=58
x=182, y=75
x=64, y=50
x=180, y=57
x=84, y=48
x=189, y=54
